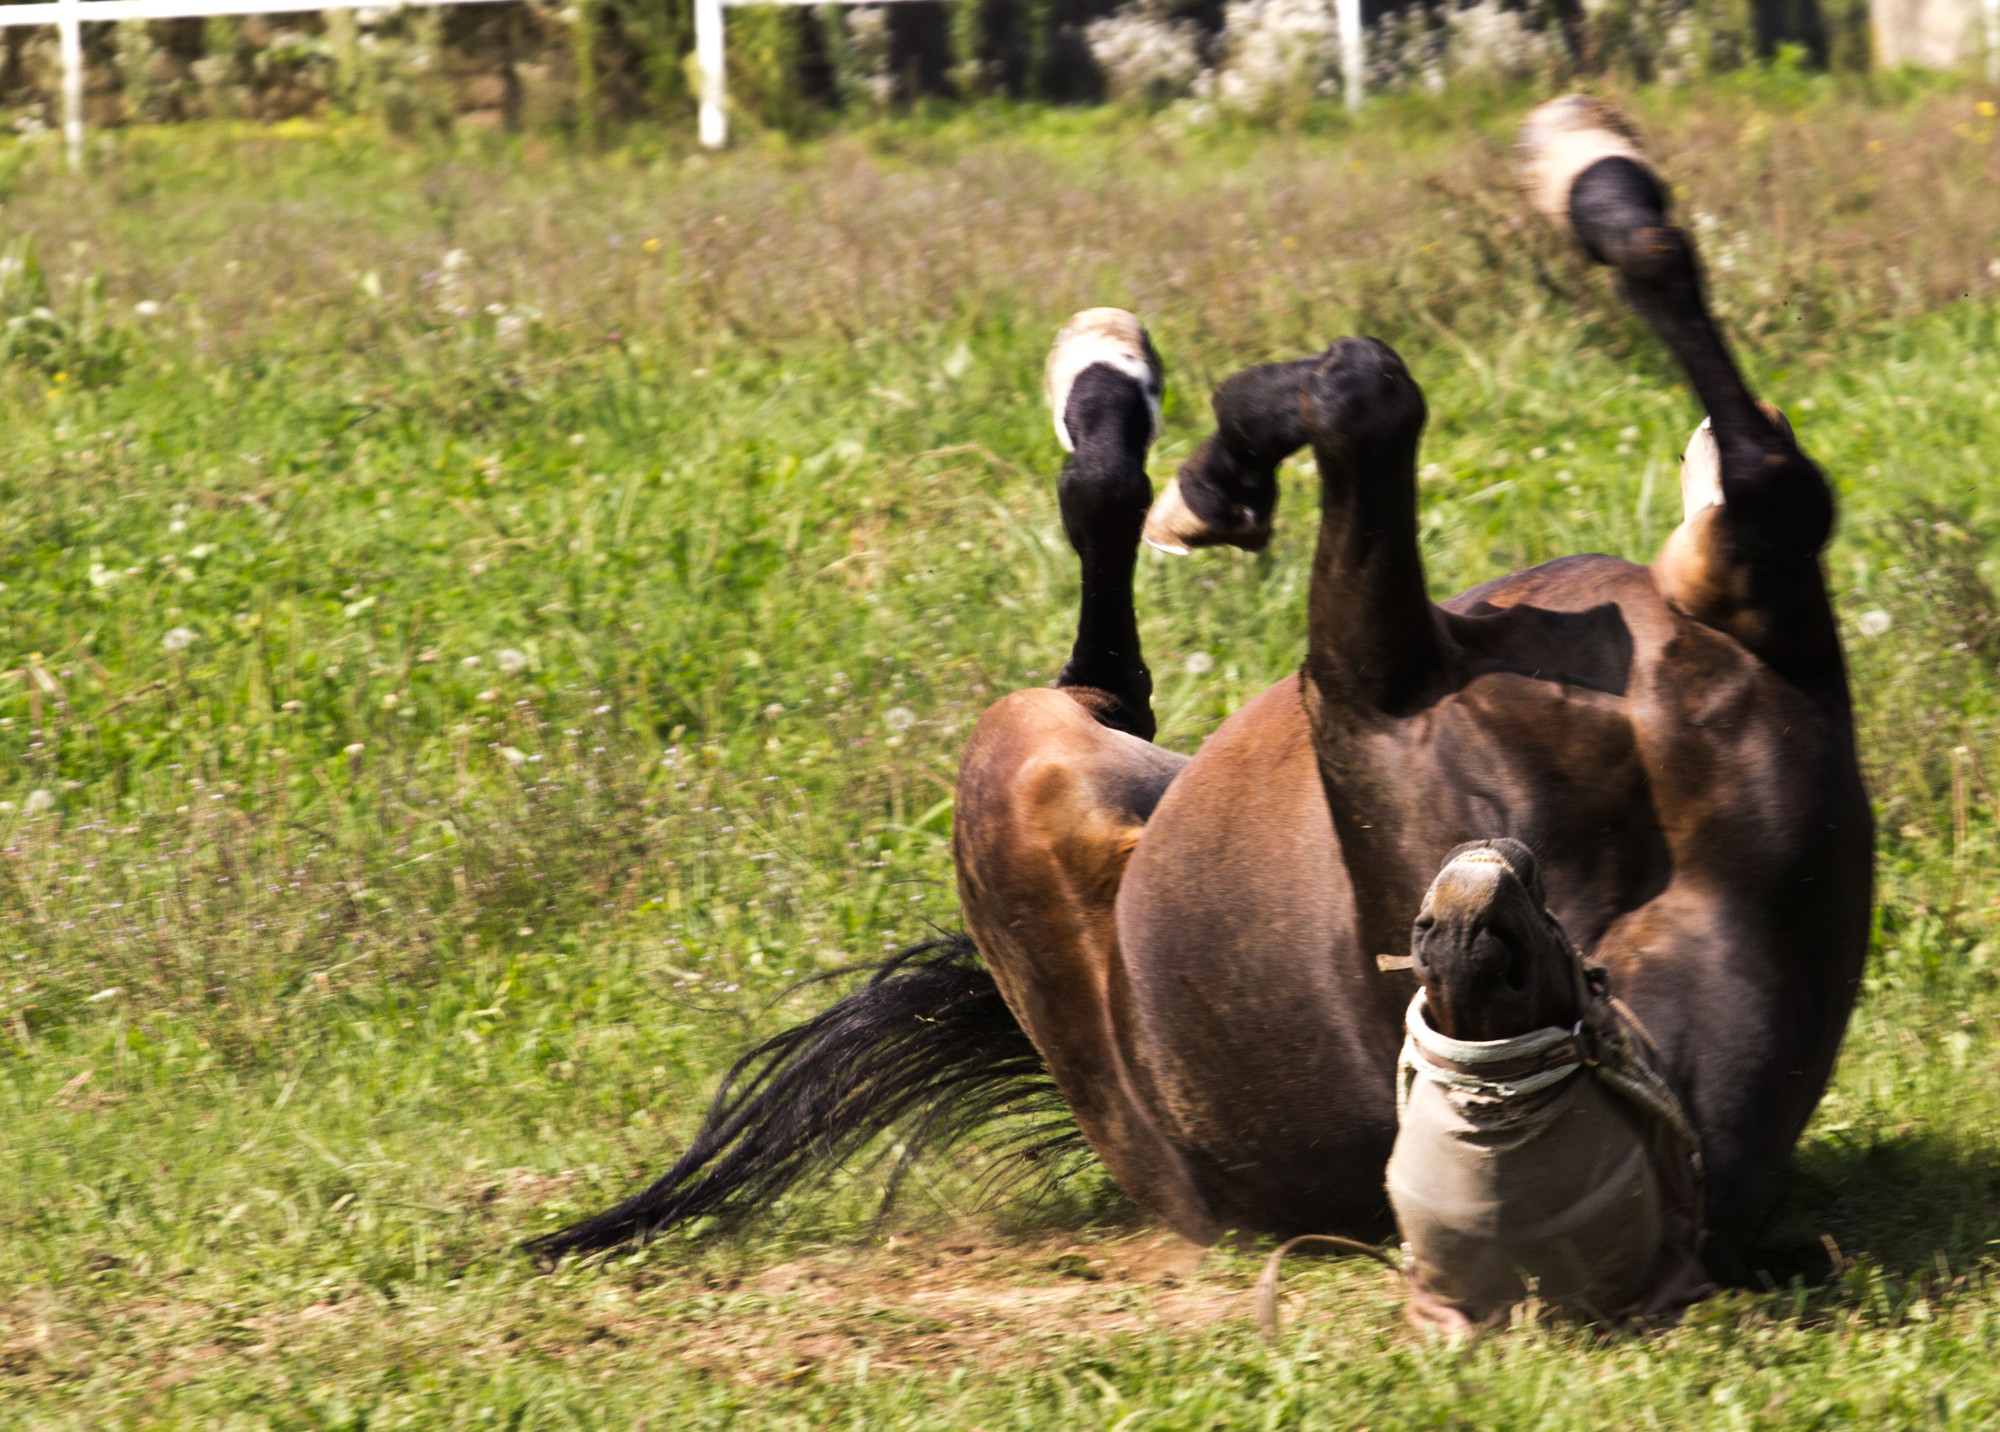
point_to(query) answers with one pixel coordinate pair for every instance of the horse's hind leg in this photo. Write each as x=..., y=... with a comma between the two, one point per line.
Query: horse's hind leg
x=1055, y=785
x=1104, y=389
x=1748, y=562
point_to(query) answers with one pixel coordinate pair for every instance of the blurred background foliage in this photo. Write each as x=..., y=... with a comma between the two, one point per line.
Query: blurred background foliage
x=578, y=68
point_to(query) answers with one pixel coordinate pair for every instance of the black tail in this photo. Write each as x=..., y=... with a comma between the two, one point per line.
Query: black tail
x=927, y=1043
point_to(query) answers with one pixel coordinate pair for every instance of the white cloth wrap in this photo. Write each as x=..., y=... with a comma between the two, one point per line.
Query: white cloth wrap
x=1539, y=1185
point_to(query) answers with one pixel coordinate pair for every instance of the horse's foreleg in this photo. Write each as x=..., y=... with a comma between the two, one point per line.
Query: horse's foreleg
x=1225, y=493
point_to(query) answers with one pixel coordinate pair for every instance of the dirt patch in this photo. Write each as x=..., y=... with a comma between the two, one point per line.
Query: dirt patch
x=924, y=1301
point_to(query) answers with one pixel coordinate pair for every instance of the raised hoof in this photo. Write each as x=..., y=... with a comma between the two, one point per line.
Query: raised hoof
x=1101, y=335
x=1561, y=139
x=1175, y=527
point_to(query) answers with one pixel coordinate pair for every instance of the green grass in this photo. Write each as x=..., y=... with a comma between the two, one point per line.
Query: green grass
x=581, y=632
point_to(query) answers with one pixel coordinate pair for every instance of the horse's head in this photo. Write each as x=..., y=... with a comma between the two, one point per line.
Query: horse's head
x=1493, y=963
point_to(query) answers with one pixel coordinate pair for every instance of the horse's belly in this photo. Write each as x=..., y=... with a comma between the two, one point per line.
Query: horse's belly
x=1251, y=1033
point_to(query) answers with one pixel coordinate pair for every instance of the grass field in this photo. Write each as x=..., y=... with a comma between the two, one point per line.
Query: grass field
x=483, y=622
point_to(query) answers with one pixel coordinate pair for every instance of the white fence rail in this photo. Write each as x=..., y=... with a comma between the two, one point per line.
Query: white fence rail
x=70, y=16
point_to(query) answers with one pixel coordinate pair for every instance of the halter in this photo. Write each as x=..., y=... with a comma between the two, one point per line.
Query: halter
x=1490, y=1077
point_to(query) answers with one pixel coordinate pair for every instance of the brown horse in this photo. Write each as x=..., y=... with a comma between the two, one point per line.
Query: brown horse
x=1211, y=955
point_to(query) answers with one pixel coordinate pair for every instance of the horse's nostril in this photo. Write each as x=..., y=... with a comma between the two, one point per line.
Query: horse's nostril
x=1516, y=970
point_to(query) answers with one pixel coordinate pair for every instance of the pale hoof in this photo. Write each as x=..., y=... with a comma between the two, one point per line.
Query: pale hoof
x=1561, y=139
x=1701, y=472
x=1174, y=527
x=1701, y=463
x=1102, y=335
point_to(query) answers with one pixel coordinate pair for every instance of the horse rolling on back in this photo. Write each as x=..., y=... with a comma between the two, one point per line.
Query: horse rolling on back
x=1209, y=958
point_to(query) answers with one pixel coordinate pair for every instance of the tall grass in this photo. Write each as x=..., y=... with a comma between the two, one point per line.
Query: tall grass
x=484, y=624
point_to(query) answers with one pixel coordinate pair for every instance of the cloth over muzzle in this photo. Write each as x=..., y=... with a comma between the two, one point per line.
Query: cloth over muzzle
x=1559, y=1165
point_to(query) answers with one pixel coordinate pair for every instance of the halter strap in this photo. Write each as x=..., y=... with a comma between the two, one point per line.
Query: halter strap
x=1497, y=1068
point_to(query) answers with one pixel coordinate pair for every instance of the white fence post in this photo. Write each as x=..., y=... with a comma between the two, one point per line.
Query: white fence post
x=1353, y=51
x=69, y=27
x=70, y=16
x=714, y=84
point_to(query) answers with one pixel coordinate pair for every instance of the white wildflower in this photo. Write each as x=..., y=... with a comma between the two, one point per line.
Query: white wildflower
x=469, y=662
x=104, y=994
x=1486, y=38
x=177, y=526
x=513, y=755
x=1873, y=623
x=147, y=308
x=179, y=639
x=510, y=660
x=454, y=285
x=1275, y=49
x=356, y=748
x=868, y=52
x=511, y=328
x=899, y=718
x=1198, y=664
x=38, y=801
x=1147, y=58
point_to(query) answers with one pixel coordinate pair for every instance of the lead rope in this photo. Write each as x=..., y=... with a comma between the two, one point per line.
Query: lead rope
x=1267, y=1283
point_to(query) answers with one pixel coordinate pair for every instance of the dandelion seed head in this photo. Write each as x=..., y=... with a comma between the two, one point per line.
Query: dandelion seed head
x=510, y=660
x=899, y=718
x=180, y=638
x=1199, y=663
x=1873, y=623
